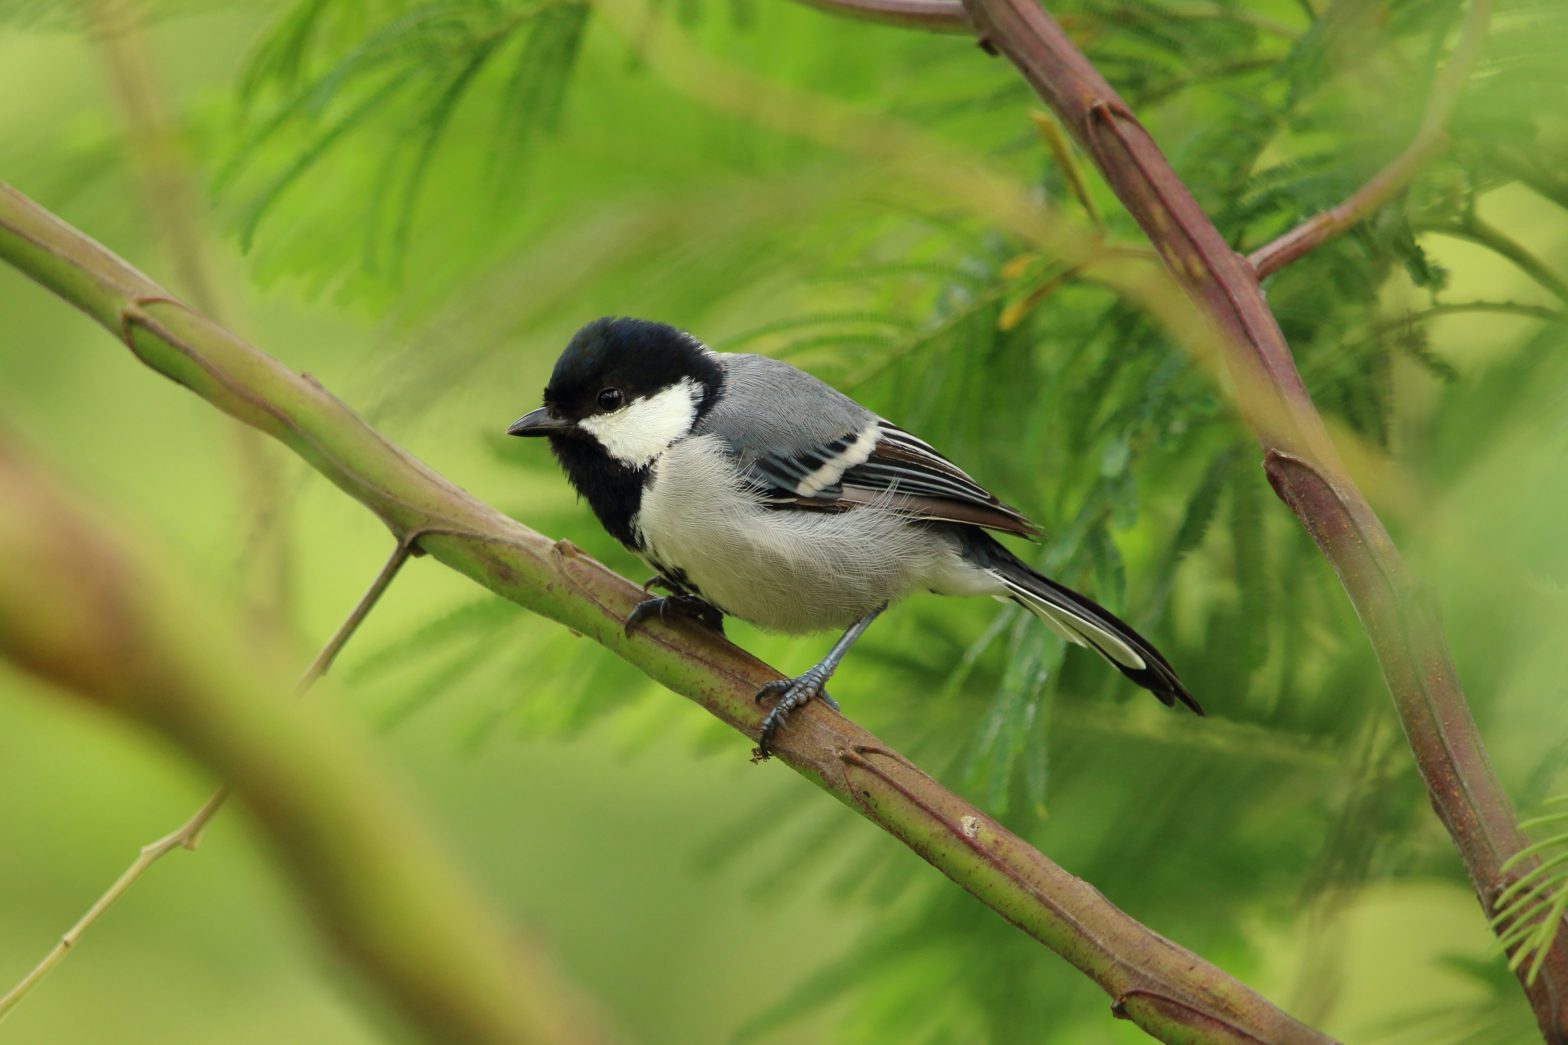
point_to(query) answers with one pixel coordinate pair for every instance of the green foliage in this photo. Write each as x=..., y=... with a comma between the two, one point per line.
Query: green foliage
x=1530, y=911
x=392, y=78
x=1049, y=388
x=483, y=176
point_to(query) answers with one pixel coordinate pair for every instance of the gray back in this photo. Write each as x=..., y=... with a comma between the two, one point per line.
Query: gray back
x=771, y=408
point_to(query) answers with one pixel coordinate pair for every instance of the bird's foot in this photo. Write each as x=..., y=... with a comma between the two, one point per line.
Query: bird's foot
x=704, y=613
x=791, y=694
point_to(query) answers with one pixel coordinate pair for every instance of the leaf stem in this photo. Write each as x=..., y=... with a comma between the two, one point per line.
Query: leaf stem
x=1472, y=228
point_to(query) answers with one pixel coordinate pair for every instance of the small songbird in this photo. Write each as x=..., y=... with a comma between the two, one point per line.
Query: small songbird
x=755, y=490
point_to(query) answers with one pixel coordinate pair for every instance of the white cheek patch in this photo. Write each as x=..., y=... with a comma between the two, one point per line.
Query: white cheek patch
x=644, y=428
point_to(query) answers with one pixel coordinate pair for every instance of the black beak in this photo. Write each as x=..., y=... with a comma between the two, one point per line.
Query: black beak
x=540, y=422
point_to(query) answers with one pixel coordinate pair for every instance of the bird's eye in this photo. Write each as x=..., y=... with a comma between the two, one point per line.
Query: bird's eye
x=610, y=398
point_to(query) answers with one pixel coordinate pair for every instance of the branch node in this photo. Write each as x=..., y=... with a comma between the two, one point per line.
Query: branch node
x=1108, y=111
x=863, y=750
x=134, y=311
x=564, y=553
x=566, y=549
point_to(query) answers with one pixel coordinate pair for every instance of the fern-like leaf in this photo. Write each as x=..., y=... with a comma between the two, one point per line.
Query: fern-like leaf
x=1530, y=911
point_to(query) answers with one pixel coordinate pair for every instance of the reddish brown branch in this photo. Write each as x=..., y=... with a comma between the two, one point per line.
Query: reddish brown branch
x=1302, y=463
x=1379, y=189
x=1430, y=140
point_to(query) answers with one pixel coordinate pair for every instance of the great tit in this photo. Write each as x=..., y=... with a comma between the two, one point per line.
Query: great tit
x=756, y=490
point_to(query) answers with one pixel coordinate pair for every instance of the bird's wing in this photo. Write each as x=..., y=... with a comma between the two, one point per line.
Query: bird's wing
x=882, y=464
x=813, y=447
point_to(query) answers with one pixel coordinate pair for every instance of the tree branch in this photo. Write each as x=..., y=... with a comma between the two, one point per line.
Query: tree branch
x=116, y=629
x=1164, y=988
x=937, y=16
x=188, y=835
x=1302, y=463
x=1430, y=140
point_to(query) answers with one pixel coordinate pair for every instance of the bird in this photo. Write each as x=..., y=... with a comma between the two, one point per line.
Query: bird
x=756, y=491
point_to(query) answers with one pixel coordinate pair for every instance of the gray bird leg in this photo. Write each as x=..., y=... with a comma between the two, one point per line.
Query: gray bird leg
x=792, y=693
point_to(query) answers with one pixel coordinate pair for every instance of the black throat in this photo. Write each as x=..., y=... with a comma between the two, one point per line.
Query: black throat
x=612, y=489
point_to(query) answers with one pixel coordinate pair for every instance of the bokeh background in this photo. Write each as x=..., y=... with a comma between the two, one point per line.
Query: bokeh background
x=418, y=203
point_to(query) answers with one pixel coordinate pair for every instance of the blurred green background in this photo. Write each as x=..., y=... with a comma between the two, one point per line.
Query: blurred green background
x=418, y=203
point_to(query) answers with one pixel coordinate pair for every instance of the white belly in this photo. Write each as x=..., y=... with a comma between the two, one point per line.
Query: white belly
x=787, y=570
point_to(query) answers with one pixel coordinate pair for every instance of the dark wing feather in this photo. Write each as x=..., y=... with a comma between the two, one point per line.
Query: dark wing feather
x=882, y=464
x=787, y=475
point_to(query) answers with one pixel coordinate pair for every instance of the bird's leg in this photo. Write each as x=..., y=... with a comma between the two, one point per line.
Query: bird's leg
x=792, y=693
x=662, y=606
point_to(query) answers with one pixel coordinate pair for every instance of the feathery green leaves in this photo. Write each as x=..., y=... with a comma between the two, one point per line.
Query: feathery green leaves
x=1530, y=911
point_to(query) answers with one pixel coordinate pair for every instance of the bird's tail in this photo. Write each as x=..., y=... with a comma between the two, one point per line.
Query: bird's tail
x=1082, y=621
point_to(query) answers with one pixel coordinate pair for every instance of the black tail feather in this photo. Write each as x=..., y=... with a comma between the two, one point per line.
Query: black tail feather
x=1083, y=620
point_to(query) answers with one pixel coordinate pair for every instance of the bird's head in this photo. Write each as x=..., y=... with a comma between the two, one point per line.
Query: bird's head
x=629, y=385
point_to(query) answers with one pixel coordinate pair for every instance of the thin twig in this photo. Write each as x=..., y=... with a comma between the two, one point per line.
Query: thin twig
x=1487, y=235
x=188, y=834
x=937, y=16
x=1430, y=140
x=1549, y=185
x=1409, y=320
x=367, y=602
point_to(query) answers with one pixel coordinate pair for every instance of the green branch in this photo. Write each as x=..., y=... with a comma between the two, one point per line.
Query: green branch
x=1162, y=987
x=1302, y=463
x=85, y=611
x=1470, y=227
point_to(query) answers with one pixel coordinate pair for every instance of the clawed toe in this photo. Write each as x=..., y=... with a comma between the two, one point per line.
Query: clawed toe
x=770, y=688
x=780, y=685
x=686, y=605
x=791, y=693
x=642, y=611
x=795, y=692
